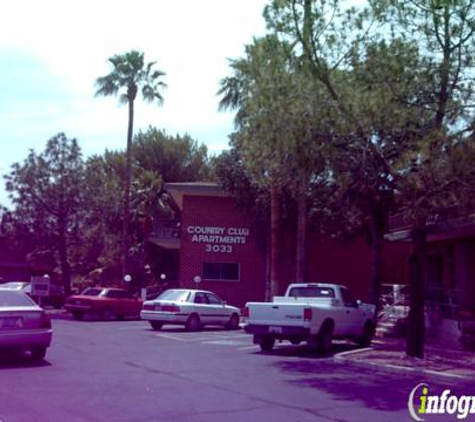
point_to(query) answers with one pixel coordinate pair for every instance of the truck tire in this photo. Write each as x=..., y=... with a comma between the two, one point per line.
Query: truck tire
x=267, y=343
x=325, y=337
x=367, y=335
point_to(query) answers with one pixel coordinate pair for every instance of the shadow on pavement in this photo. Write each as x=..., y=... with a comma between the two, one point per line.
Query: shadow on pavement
x=22, y=360
x=372, y=390
x=288, y=350
x=182, y=330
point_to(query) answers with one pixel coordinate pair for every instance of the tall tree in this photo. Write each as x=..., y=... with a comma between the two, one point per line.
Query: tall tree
x=130, y=74
x=321, y=32
x=276, y=125
x=445, y=32
x=47, y=192
x=328, y=37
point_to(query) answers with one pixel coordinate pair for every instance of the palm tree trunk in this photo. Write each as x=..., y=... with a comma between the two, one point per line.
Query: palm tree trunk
x=274, y=239
x=301, y=250
x=128, y=180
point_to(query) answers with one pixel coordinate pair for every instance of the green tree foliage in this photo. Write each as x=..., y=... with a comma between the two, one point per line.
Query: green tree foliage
x=250, y=196
x=157, y=158
x=177, y=158
x=398, y=120
x=279, y=123
x=47, y=192
x=130, y=74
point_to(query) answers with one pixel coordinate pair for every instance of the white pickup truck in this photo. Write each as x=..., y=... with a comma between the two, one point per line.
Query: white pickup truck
x=312, y=312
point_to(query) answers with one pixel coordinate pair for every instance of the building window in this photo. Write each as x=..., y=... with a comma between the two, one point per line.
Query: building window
x=221, y=271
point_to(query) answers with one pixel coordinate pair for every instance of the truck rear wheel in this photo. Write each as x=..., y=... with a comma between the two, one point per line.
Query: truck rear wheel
x=267, y=343
x=325, y=337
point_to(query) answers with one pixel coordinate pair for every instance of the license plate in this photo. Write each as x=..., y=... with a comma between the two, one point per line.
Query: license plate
x=275, y=330
x=11, y=322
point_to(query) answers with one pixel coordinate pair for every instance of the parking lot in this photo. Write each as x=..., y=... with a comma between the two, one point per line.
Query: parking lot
x=125, y=371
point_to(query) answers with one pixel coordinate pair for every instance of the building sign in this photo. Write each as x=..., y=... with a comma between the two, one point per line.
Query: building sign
x=218, y=239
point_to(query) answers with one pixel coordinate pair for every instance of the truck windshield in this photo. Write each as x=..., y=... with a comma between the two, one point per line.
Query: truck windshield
x=312, y=291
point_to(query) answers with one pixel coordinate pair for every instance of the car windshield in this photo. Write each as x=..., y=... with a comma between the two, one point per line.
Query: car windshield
x=312, y=291
x=12, y=298
x=178, y=295
x=91, y=291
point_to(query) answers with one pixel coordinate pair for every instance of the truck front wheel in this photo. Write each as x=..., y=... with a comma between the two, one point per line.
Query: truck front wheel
x=367, y=335
x=267, y=343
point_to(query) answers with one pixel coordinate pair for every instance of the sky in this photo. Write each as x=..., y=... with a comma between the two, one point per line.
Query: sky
x=52, y=52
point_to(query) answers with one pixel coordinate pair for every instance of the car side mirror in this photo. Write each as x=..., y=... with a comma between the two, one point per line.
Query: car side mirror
x=224, y=303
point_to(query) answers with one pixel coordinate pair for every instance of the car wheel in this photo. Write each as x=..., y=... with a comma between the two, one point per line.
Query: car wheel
x=367, y=336
x=233, y=323
x=38, y=353
x=193, y=323
x=78, y=315
x=156, y=325
x=267, y=343
x=325, y=338
x=106, y=314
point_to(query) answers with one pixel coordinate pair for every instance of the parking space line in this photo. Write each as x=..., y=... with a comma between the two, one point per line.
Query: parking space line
x=252, y=347
x=175, y=337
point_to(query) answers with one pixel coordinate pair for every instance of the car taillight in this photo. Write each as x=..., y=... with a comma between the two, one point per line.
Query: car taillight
x=307, y=314
x=148, y=307
x=245, y=312
x=170, y=308
x=45, y=321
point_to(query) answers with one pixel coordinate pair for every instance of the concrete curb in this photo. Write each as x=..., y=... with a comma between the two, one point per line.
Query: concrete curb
x=343, y=358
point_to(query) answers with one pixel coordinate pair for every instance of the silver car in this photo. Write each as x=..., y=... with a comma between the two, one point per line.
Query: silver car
x=24, y=326
x=191, y=308
x=22, y=286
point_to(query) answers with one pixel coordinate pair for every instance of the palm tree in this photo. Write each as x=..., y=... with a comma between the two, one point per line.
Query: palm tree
x=129, y=74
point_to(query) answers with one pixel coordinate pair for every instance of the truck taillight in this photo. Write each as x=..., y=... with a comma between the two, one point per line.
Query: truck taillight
x=45, y=321
x=245, y=312
x=307, y=314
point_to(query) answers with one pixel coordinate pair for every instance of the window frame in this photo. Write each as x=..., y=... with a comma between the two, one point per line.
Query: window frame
x=220, y=278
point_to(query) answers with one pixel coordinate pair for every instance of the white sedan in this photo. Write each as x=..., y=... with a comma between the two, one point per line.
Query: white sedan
x=23, y=325
x=191, y=308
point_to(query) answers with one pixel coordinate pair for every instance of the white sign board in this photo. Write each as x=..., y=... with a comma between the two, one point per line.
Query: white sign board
x=40, y=286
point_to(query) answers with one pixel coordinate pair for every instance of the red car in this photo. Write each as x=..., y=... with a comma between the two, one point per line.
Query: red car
x=104, y=302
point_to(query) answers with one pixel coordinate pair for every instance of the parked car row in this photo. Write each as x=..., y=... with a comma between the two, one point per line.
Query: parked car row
x=315, y=313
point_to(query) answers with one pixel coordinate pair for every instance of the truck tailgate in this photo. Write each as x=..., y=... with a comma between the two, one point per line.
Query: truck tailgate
x=282, y=314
